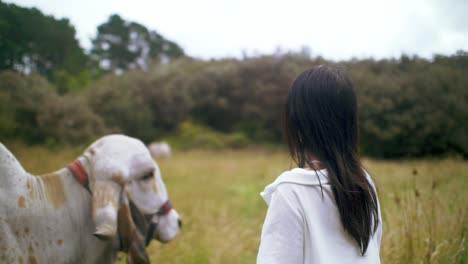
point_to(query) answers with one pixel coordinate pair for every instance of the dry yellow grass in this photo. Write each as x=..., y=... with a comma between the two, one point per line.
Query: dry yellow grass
x=424, y=203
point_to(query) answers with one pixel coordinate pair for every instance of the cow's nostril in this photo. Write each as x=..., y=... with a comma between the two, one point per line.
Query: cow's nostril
x=179, y=222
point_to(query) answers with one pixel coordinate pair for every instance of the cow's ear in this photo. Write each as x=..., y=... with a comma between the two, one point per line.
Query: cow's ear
x=137, y=251
x=130, y=238
x=106, y=199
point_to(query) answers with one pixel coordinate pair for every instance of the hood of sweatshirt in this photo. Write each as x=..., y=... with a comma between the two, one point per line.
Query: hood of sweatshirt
x=296, y=176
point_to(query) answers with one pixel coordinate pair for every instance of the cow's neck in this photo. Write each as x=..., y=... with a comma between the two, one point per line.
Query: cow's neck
x=59, y=184
x=57, y=201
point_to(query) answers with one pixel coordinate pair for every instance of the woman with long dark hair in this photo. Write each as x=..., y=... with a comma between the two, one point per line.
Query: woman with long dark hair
x=326, y=210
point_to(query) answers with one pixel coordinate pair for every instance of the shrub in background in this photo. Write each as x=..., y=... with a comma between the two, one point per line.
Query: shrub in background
x=167, y=94
x=32, y=110
x=119, y=101
x=23, y=97
x=69, y=120
x=191, y=135
x=412, y=108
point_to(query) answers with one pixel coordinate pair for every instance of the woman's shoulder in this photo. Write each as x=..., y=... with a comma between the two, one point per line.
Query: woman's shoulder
x=300, y=176
x=293, y=179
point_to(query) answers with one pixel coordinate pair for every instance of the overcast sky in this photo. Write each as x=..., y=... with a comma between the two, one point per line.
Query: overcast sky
x=330, y=28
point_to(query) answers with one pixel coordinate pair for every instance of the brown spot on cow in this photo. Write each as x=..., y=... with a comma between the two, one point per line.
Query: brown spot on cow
x=20, y=260
x=54, y=189
x=16, y=233
x=32, y=260
x=119, y=180
x=26, y=230
x=59, y=242
x=22, y=202
x=30, y=188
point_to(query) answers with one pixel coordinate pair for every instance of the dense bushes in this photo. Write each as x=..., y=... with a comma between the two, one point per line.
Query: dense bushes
x=120, y=102
x=190, y=135
x=410, y=107
x=420, y=111
x=69, y=119
x=32, y=110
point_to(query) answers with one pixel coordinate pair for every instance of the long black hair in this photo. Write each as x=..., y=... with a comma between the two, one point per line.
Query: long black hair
x=321, y=121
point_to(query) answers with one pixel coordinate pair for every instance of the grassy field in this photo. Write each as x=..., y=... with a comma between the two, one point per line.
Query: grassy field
x=424, y=203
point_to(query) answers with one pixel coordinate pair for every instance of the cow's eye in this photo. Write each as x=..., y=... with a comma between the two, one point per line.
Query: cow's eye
x=148, y=176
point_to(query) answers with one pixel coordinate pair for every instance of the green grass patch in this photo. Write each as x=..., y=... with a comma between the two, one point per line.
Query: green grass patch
x=217, y=194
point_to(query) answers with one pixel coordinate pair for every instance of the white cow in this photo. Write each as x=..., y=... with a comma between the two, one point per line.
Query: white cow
x=160, y=150
x=112, y=197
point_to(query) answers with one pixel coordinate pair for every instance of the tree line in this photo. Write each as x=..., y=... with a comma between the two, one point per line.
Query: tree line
x=134, y=81
x=32, y=42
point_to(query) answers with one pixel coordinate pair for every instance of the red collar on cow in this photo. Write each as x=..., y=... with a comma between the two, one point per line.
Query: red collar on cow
x=79, y=172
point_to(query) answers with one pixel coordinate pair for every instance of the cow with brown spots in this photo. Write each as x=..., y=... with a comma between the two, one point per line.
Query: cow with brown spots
x=111, y=198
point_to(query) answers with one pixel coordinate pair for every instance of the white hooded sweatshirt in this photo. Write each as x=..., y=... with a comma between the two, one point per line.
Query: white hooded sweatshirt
x=301, y=226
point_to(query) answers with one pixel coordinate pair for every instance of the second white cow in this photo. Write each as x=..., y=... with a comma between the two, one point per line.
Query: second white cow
x=160, y=150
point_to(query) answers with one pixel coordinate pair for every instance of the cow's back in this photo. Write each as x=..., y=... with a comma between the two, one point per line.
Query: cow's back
x=10, y=168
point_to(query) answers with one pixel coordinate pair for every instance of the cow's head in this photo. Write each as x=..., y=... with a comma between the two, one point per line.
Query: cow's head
x=130, y=201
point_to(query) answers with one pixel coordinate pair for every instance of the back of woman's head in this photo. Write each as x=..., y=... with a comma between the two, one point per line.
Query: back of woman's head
x=321, y=121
